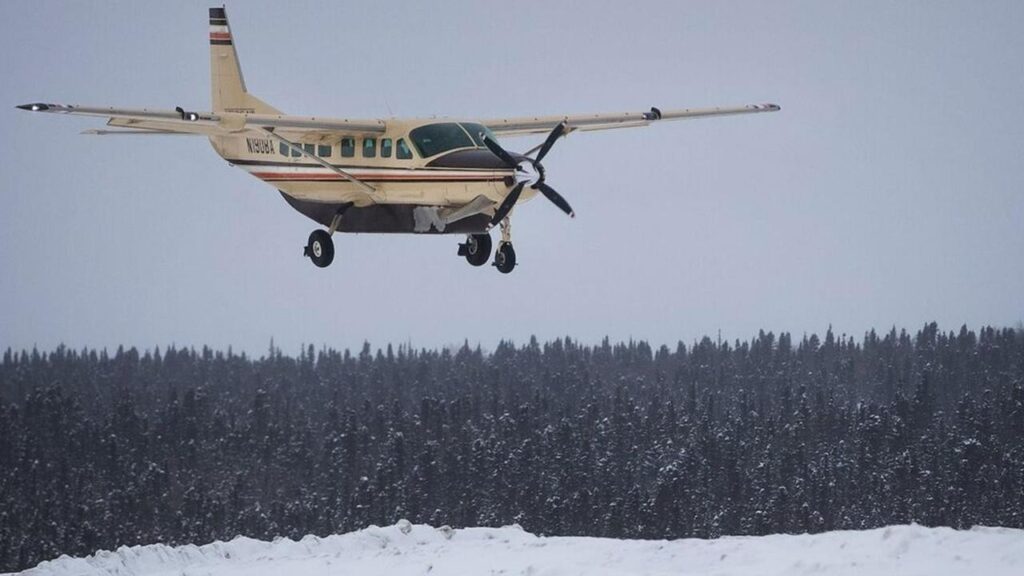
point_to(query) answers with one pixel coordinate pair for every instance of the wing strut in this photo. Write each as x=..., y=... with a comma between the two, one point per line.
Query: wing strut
x=369, y=190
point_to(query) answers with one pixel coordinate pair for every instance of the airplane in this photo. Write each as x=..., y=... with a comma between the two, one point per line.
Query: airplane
x=420, y=176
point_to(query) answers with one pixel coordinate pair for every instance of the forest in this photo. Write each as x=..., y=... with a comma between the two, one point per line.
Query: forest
x=101, y=449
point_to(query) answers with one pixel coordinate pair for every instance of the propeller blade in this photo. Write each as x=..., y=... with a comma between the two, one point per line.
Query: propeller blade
x=507, y=204
x=500, y=152
x=555, y=198
x=555, y=135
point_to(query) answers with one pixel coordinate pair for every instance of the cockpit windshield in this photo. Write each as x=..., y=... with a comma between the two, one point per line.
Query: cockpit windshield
x=434, y=139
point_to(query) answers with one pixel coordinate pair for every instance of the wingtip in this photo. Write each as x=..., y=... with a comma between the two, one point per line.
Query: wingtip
x=35, y=107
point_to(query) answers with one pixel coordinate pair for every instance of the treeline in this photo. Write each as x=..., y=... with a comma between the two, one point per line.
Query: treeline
x=100, y=450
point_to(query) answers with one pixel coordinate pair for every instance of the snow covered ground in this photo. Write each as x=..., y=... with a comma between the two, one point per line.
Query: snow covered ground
x=405, y=549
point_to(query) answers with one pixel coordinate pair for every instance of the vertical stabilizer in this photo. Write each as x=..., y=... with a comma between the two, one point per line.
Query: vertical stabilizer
x=229, y=94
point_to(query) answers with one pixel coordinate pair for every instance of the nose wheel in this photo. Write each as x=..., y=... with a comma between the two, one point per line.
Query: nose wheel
x=320, y=248
x=505, y=258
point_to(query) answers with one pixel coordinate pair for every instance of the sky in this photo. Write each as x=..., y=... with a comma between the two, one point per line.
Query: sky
x=889, y=191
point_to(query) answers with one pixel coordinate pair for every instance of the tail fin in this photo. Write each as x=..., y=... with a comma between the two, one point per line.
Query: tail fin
x=229, y=93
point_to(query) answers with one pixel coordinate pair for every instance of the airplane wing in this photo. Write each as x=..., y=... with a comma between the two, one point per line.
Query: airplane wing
x=180, y=121
x=318, y=129
x=586, y=122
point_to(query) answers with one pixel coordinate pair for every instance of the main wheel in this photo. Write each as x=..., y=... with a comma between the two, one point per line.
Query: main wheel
x=477, y=249
x=320, y=248
x=505, y=258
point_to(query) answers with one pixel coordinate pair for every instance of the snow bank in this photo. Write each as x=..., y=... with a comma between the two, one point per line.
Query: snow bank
x=405, y=549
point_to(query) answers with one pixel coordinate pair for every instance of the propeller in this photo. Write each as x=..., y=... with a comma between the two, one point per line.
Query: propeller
x=538, y=184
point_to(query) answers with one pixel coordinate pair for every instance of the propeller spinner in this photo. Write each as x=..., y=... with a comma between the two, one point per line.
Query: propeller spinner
x=538, y=181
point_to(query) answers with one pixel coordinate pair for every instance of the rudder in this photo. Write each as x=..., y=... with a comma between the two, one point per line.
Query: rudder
x=227, y=82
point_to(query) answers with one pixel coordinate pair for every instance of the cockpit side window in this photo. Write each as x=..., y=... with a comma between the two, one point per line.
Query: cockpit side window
x=434, y=139
x=404, y=153
x=477, y=132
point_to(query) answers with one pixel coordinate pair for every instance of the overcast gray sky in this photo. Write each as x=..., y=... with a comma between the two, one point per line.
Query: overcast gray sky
x=888, y=191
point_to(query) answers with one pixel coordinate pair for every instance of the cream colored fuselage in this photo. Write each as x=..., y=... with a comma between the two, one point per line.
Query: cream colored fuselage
x=396, y=181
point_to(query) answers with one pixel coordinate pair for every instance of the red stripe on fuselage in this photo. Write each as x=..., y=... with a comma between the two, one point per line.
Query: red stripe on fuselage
x=279, y=176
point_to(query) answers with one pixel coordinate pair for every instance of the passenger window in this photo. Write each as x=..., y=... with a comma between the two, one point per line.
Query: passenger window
x=348, y=147
x=309, y=148
x=284, y=149
x=369, y=147
x=404, y=153
x=324, y=151
x=385, y=147
x=295, y=152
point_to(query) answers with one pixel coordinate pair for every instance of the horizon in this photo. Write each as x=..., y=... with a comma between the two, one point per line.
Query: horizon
x=407, y=348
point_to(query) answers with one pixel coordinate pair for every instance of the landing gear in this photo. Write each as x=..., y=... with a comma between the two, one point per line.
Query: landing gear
x=320, y=248
x=505, y=257
x=476, y=249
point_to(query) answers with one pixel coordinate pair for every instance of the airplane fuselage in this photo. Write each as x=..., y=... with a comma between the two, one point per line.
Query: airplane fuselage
x=412, y=191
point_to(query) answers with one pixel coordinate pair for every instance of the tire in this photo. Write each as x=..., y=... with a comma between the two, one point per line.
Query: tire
x=505, y=258
x=478, y=249
x=320, y=248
